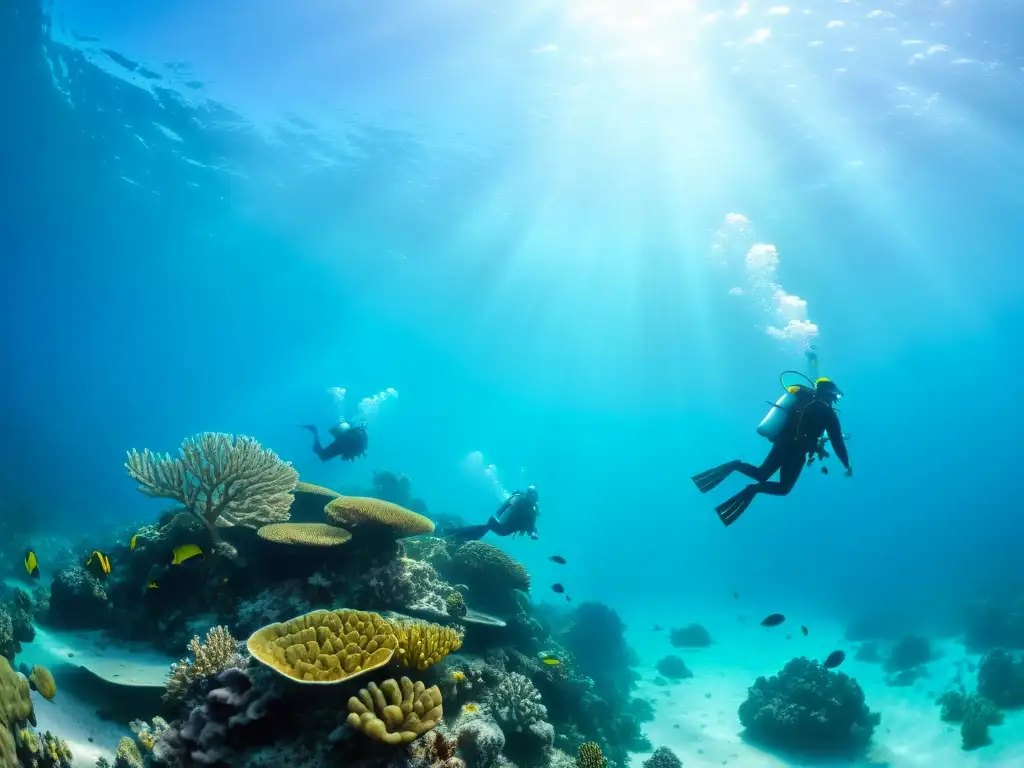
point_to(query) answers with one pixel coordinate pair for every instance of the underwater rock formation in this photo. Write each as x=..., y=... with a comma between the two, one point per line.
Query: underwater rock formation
x=992, y=625
x=806, y=706
x=494, y=577
x=1001, y=679
x=480, y=740
x=691, y=636
x=77, y=600
x=975, y=714
x=674, y=668
x=908, y=652
x=663, y=757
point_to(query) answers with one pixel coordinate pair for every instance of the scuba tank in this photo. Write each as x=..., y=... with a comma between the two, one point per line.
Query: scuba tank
x=787, y=407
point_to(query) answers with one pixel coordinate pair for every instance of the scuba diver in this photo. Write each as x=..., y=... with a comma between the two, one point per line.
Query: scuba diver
x=349, y=442
x=517, y=516
x=795, y=425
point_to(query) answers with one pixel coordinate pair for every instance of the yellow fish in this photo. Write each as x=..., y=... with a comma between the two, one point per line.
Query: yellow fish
x=550, y=661
x=98, y=565
x=31, y=564
x=470, y=708
x=458, y=676
x=184, y=552
x=135, y=539
x=152, y=585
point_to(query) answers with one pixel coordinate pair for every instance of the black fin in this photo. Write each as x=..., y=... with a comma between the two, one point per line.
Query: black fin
x=729, y=511
x=710, y=479
x=470, y=532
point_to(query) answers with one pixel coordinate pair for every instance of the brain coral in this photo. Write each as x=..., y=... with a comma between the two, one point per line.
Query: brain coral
x=359, y=512
x=477, y=560
x=395, y=713
x=305, y=534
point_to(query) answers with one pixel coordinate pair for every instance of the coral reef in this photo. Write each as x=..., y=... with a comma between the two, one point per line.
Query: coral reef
x=674, y=668
x=994, y=624
x=691, y=636
x=1001, y=679
x=305, y=534
x=663, y=757
x=128, y=754
x=975, y=714
x=77, y=600
x=219, y=651
x=807, y=706
x=20, y=746
x=366, y=516
x=396, y=712
x=908, y=652
x=589, y=756
x=516, y=704
x=221, y=479
x=494, y=575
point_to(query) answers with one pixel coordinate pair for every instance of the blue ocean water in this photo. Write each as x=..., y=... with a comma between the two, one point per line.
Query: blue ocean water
x=579, y=241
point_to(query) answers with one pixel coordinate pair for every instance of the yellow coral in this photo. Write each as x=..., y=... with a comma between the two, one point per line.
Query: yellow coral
x=56, y=750
x=305, y=534
x=325, y=646
x=421, y=645
x=28, y=740
x=395, y=712
x=128, y=755
x=358, y=512
x=43, y=682
x=589, y=756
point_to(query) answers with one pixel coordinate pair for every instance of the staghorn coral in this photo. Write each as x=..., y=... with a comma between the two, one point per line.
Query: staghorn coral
x=373, y=516
x=396, y=712
x=221, y=479
x=808, y=706
x=589, y=756
x=305, y=534
x=218, y=652
x=325, y=647
x=516, y=704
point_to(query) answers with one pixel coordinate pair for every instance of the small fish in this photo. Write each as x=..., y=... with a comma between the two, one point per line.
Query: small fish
x=735, y=595
x=31, y=564
x=152, y=585
x=470, y=708
x=551, y=661
x=803, y=629
x=557, y=559
x=834, y=660
x=226, y=580
x=458, y=676
x=658, y=628
x=133, y=542
x=184, y=552
x=98, y=564
x=789, y=637
x=558, y=588
x=773, y=620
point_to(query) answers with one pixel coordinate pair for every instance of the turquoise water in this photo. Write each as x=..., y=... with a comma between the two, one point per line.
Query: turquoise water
x=564, y=244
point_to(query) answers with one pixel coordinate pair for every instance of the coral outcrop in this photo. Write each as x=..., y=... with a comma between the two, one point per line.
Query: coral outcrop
x=77, y=600
x=366, y=516
x=305, y=534
x=1001, y=679
x=218, y=652
x=806, y=706
x=396, y=711
x=975, y=714
x=221, y=479
x=663, y=757
x=690, y=636
x=674, y=668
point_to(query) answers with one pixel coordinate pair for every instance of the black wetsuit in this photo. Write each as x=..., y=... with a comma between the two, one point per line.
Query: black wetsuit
x=788, y=455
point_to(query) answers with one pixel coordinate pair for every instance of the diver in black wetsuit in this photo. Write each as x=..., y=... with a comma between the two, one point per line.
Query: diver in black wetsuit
x=517, y=516
x=349, y=442
x=812, y=416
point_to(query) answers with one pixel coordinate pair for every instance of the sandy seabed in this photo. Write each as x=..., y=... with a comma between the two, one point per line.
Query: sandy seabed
x=697, y=718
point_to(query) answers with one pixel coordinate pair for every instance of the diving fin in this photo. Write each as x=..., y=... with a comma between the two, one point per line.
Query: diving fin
x=729, y=511
x=706, y=481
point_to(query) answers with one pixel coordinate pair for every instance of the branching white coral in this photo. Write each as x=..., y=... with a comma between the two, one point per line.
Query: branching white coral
x=516, y=703
x=220, y=479
x=211, y=657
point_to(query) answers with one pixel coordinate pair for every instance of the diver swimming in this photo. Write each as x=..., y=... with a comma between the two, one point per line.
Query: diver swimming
x=795, y=424
x=350, y=442
x=516, y=517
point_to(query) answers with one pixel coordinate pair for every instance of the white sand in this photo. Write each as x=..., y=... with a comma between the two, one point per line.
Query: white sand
x=697, y=718
x=73, y=716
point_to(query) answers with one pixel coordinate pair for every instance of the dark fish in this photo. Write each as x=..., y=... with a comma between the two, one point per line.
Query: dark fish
x=98, y=565
x=834, y=660
x=735, y=595
x=558, y=588
x=31, y=564
x=557, y=559
x=789, y=637
x=803, y=629
x=773, y=620
x=824, y=470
